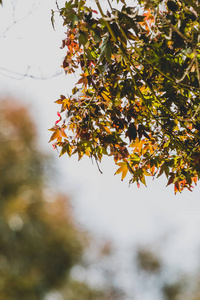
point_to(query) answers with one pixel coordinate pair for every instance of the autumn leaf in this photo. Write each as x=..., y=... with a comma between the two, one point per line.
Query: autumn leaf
x=171, y=179
x=66, y=149
x=83, y=79
x=131, y=133
x=106, y=96
x=122, y=169
x=56, y=135
x=59, y=115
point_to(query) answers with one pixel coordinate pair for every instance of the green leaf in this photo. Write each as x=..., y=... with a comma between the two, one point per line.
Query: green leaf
x=142, y=179
x=82, y=37
x=135, y=158
x=66, y=148
x=105, y=49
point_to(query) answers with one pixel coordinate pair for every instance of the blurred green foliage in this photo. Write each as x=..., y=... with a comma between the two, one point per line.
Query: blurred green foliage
x=167, y=282
x=148, y=261
x=38, y=241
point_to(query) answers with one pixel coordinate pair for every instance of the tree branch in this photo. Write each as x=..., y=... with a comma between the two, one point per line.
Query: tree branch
x=26, y=74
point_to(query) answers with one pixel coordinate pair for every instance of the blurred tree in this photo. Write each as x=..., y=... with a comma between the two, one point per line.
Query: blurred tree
x=147, y=261
x=76, y=288
x=164, y=281
x=173, y=291
x=39, y=242
x=101, y=267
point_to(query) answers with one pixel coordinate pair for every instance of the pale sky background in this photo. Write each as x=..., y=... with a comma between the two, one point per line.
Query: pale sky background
x=103, y=203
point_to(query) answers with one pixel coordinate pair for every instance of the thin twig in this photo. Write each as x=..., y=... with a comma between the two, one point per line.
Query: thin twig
x=177, y=30
x=110, y=5
x=24, y=75
x=186, y=71
x=98, y=165
x=34, y=7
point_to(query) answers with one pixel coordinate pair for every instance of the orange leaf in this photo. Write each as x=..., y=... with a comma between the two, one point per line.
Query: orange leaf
x=63, y=133
x=171, y=179
x=55, y=135
x=194, y=179
x=177, y=186
x=83, y=79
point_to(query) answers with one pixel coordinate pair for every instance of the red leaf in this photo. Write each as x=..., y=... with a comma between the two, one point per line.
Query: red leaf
x=54, y=146
x=91, y=63
x=59, y=115
x=171, y=179
x=57, y=122
x=94, y=11
x=177, y=187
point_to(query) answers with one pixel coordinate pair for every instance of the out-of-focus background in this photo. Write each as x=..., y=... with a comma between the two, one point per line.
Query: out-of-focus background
x=68, y=232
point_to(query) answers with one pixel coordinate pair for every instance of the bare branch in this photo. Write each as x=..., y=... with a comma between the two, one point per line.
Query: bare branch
x=15, y=21
x=19, y=76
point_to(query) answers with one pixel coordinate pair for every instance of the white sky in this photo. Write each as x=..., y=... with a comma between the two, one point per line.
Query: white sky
x=103, y=203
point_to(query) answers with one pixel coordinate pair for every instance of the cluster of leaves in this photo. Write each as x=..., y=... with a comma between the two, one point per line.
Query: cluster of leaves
x=137, y=98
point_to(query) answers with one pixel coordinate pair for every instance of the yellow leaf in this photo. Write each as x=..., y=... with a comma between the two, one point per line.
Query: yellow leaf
x=59, y=101
x=107, y=129
x=87, y=152
x=63, y=133
x=121, y=164
x=122, y=169
x=105, y=96
x=143, y=180
x=124, y=173
x=147, y=173
x=65, y=102
x=55, y=135
x=54, y=128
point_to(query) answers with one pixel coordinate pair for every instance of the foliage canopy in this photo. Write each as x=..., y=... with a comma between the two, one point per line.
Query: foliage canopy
x=137, y=98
